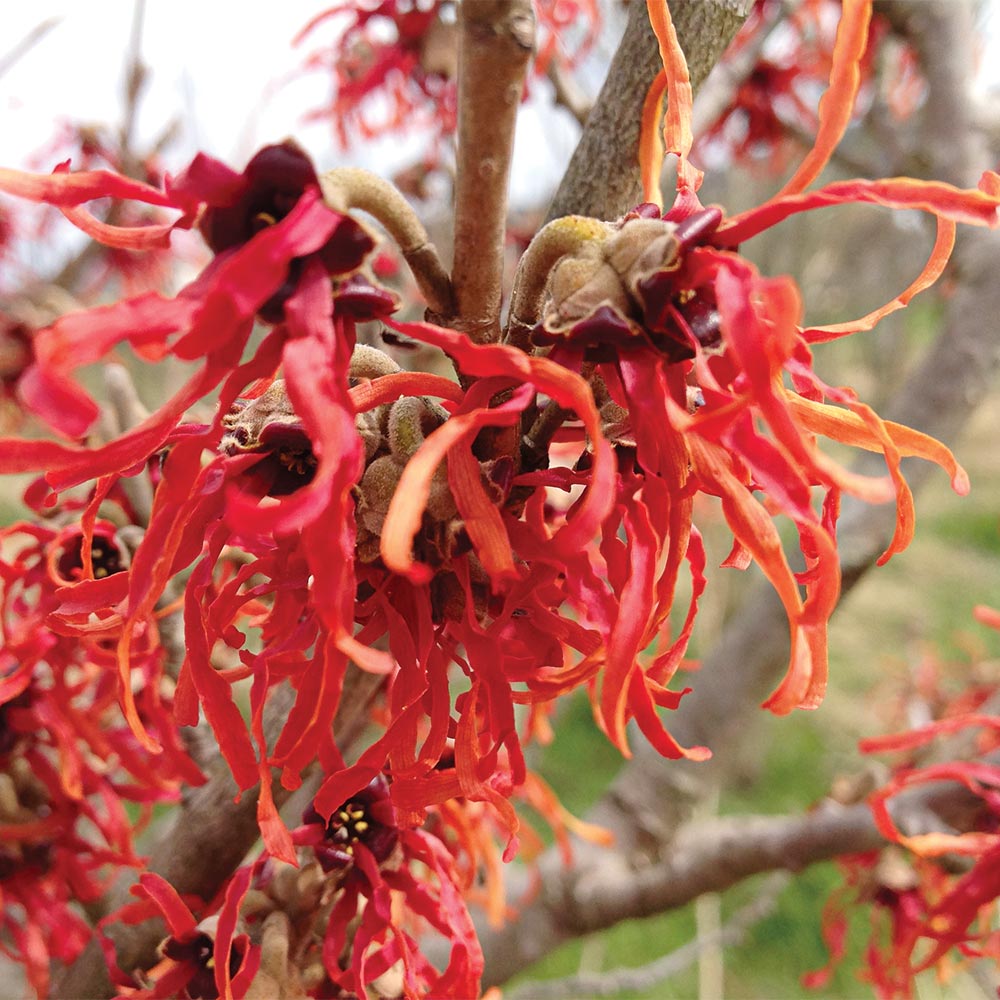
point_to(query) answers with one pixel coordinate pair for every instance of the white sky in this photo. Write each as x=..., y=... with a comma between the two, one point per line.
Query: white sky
x=211, y=66
x=216, y=65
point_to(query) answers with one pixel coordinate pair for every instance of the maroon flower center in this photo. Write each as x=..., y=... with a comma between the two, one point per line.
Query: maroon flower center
x=198, y=953
x=368, y=818
x=106, y=557
x=273, y=182
x=270, y=187
x=289, y=462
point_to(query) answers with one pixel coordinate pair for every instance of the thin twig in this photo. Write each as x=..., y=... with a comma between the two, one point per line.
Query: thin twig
x=135, y=79
x=568, y=92
x=26, y=44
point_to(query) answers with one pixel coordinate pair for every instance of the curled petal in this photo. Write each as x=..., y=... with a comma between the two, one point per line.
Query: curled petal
x=837, y=105
x=147, y=237
x=388, y=388
x=933, y=269
x=65, y=189
x=178, y=917
x=650, y=144
x=974, y=207
x=410, y=498
x=562, y=385
x=225, y=932
x=852, y=429
x=677, y=135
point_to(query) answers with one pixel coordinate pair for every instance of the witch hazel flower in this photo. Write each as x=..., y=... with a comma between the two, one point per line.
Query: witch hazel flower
x=201, y=959
x=69, y=764
x=393, y=63
x=932, y=893
x=370, y=888
x=695, y=347
x=774, y=104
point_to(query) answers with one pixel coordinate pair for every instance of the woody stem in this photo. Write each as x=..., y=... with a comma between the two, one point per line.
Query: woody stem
x=496, y=40
x=347, y=188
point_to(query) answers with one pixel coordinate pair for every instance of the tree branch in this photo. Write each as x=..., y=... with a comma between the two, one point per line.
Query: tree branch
x=708, y=856
x=603, y=180
x=497, y=37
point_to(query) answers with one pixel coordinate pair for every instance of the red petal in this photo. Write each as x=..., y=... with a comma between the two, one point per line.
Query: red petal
x=178, y=917
x=66, y=189
x=226, y=929
x=936, y=263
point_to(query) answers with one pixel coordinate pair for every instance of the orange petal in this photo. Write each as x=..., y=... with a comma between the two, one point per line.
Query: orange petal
x=837, y=105
x=481, y=516
x=677, y=135
x=850, y=428
x=940, y=254
x=650, y=146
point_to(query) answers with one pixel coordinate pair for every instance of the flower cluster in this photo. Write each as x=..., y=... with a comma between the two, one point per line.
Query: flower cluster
x=933, y=894
x=333, y=508
x=350, y=918
x=69, y=764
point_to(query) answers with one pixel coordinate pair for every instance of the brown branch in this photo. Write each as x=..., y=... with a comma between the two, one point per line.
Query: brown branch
x=648, y=977
x=26, y=44
x=603, y=176
x=135, y=80
x=496, y=40
x=709, y=856
x=568, y=92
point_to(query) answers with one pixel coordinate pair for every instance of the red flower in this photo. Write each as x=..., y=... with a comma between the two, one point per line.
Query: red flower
x=373, y=859
x=68, y=763
x=201, y=960
x=268, y=189
x=393, y=64
x=367, y=818
x=348, y=502
x=774, y=102
x=402, y=52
